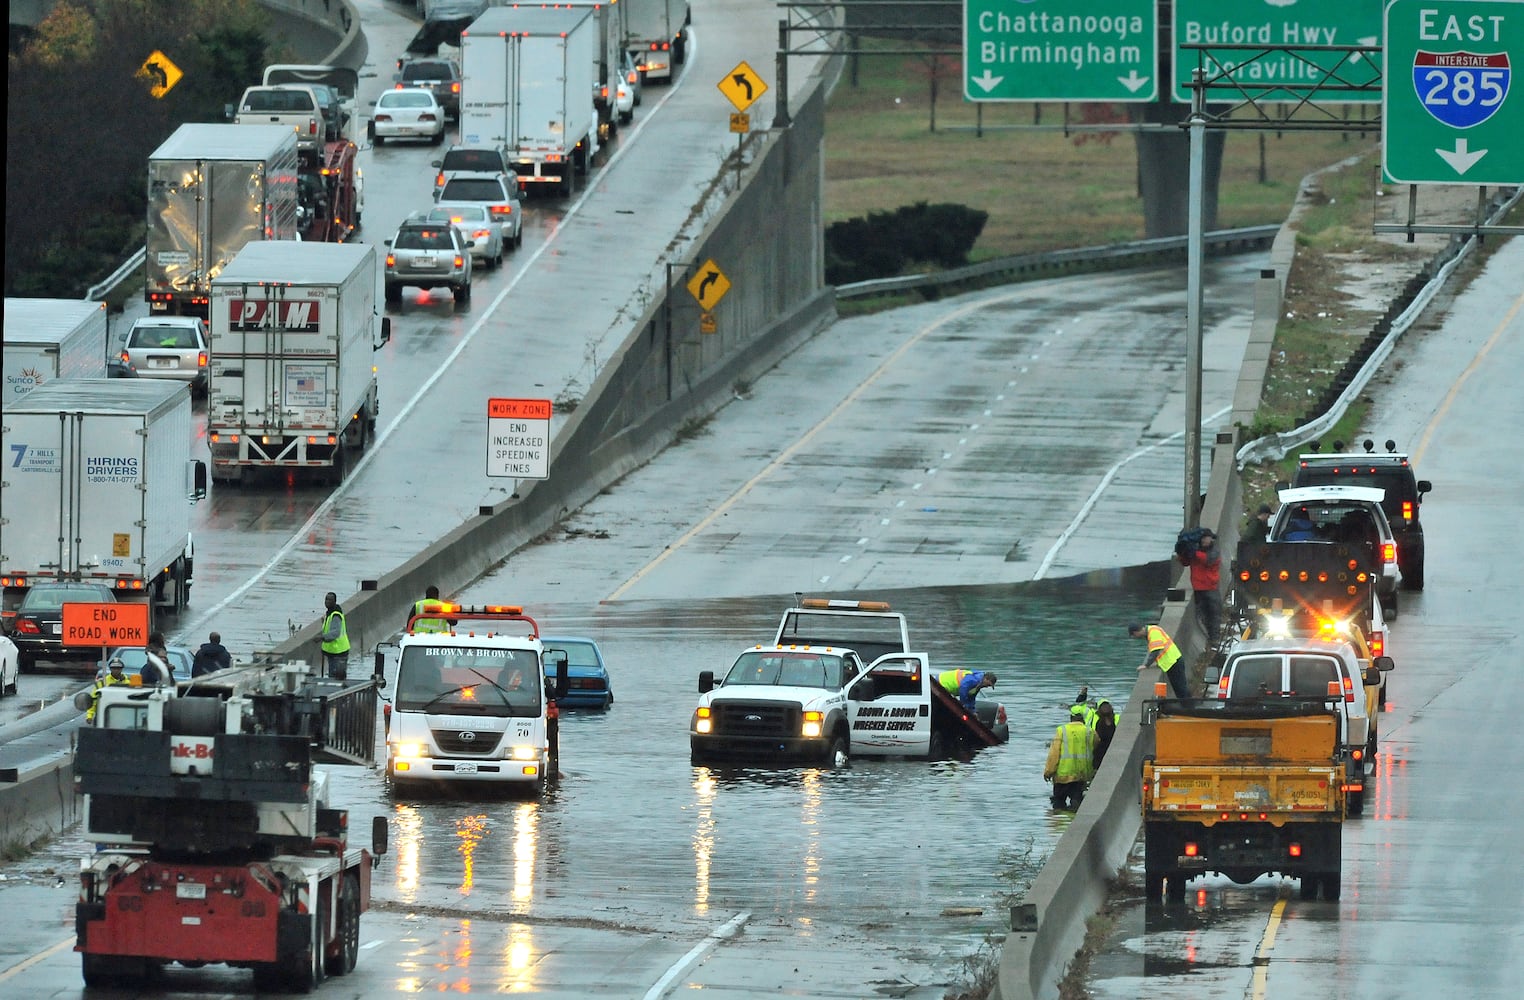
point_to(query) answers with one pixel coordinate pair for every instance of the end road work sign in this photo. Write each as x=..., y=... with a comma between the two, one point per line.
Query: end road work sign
x=1060, y=50
x=1451, y=115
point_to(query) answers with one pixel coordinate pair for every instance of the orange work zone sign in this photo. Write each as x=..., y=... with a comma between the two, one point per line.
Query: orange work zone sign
x=105, y=624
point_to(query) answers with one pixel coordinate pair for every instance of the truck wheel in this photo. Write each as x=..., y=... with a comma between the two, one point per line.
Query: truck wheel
x=1309, y=887
x=836, y=755
x=1389, y=606
x=1331, y=887
x=1153, y=886
x=346, y=954
x=1412, y=575
x=393, y=294
x=1356, y=803
x=23, y=663
x=1175, y=888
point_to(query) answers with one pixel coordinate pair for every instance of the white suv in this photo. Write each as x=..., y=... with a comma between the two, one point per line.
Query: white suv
x=173, y=347
x=1351, y=515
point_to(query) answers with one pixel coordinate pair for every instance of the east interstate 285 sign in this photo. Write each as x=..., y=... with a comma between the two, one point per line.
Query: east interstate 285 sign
x=1448, y=117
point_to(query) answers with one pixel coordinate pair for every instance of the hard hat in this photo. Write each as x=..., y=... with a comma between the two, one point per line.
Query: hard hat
x=1077, y=710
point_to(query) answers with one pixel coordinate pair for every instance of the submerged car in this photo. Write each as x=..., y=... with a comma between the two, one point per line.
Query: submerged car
x=588, y=683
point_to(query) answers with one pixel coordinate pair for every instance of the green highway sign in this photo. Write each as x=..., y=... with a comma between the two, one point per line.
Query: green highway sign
x=1275, y=24
x=1450, y=114
x=1060, y=50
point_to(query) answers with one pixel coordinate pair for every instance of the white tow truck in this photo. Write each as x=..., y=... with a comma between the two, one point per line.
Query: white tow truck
x=471, y=704
x=838, y=680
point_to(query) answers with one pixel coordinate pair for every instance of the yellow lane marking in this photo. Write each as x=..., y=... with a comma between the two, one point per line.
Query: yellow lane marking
x=25, y=964
x=1455, y=389
x=1262, y=954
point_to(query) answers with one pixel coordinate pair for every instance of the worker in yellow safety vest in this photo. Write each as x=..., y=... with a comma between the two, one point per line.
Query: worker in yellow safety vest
x=334, y=639
x=1163, y=653
x=115, y=674
x=965, y=685
x=1071, y=760
x=430, y=604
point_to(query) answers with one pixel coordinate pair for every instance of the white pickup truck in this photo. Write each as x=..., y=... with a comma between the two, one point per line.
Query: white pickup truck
x=1328, y=671
x=295, y=106
x=839, y=680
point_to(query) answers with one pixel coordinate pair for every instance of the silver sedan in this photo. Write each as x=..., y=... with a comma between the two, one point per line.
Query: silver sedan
x=483, y=234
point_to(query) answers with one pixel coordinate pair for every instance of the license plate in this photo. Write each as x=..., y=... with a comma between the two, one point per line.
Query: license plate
x=423, y=261
x=57, y=628
x=163, y=362
x=190, y=890
x=465, y=768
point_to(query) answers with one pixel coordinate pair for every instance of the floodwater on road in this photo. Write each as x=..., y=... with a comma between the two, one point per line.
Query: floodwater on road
x=634, y=836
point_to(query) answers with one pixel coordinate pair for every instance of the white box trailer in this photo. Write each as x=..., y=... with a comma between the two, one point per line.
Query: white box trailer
x=657, y=35
x=51, y=339
x=98, y=485
x=527, y=76
x=213, y=189
x=293, y=326
x=608, y=56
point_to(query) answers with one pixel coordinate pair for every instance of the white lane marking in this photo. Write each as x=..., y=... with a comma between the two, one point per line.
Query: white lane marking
x=354, y=473
x=724, y=932
x=1095, y=495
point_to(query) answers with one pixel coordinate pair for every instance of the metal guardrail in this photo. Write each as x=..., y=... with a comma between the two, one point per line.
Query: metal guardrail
x=97, y=293
x=1022, y=267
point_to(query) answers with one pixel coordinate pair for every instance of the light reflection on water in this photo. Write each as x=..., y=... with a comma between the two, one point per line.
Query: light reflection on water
x=633, y=832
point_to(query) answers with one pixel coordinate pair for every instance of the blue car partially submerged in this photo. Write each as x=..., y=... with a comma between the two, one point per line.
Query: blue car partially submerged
x=588, y=683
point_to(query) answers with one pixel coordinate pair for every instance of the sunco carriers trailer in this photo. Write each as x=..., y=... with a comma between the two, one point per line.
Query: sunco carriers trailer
x=51, y=339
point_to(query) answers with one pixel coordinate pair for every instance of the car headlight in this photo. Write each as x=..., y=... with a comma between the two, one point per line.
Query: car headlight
x=525, y=752
x=407, y=750
x=811, y=726
x=702, y=722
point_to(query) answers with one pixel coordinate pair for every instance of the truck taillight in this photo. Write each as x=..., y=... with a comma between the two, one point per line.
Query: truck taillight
x=1222, y=688
x=1407, y=510
x=201, y=360
x=502, y=209
x=312, y=126
x=454, y=88
x=1378, y=643
x=1192, y=850
x=391, y=260
x=1388, y=551
x=439, y=179
x=125, y=358
x=1349, y=689
x=1295, y=850
x=460, y=262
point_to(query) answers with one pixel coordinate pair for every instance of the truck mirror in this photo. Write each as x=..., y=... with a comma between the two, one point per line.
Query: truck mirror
x=436, y=163
x=1384, y=663
x=563, y=684
x=380, y=669
x=706, y=681
x=1424, y=486
x=379, y=834
x=1212, y=675
x=386, y=332
x=197, y=475
x=229, y=112
x=1282, y=484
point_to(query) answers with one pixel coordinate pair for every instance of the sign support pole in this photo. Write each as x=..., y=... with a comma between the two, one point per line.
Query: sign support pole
x=1193, y=306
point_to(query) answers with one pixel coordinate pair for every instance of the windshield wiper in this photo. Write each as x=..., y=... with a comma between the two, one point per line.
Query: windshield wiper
x=501, y=691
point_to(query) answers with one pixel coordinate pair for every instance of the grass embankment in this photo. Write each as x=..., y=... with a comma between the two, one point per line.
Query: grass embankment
x=1043, y=190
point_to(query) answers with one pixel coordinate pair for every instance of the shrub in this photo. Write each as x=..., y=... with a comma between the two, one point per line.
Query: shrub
x=880, y=245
